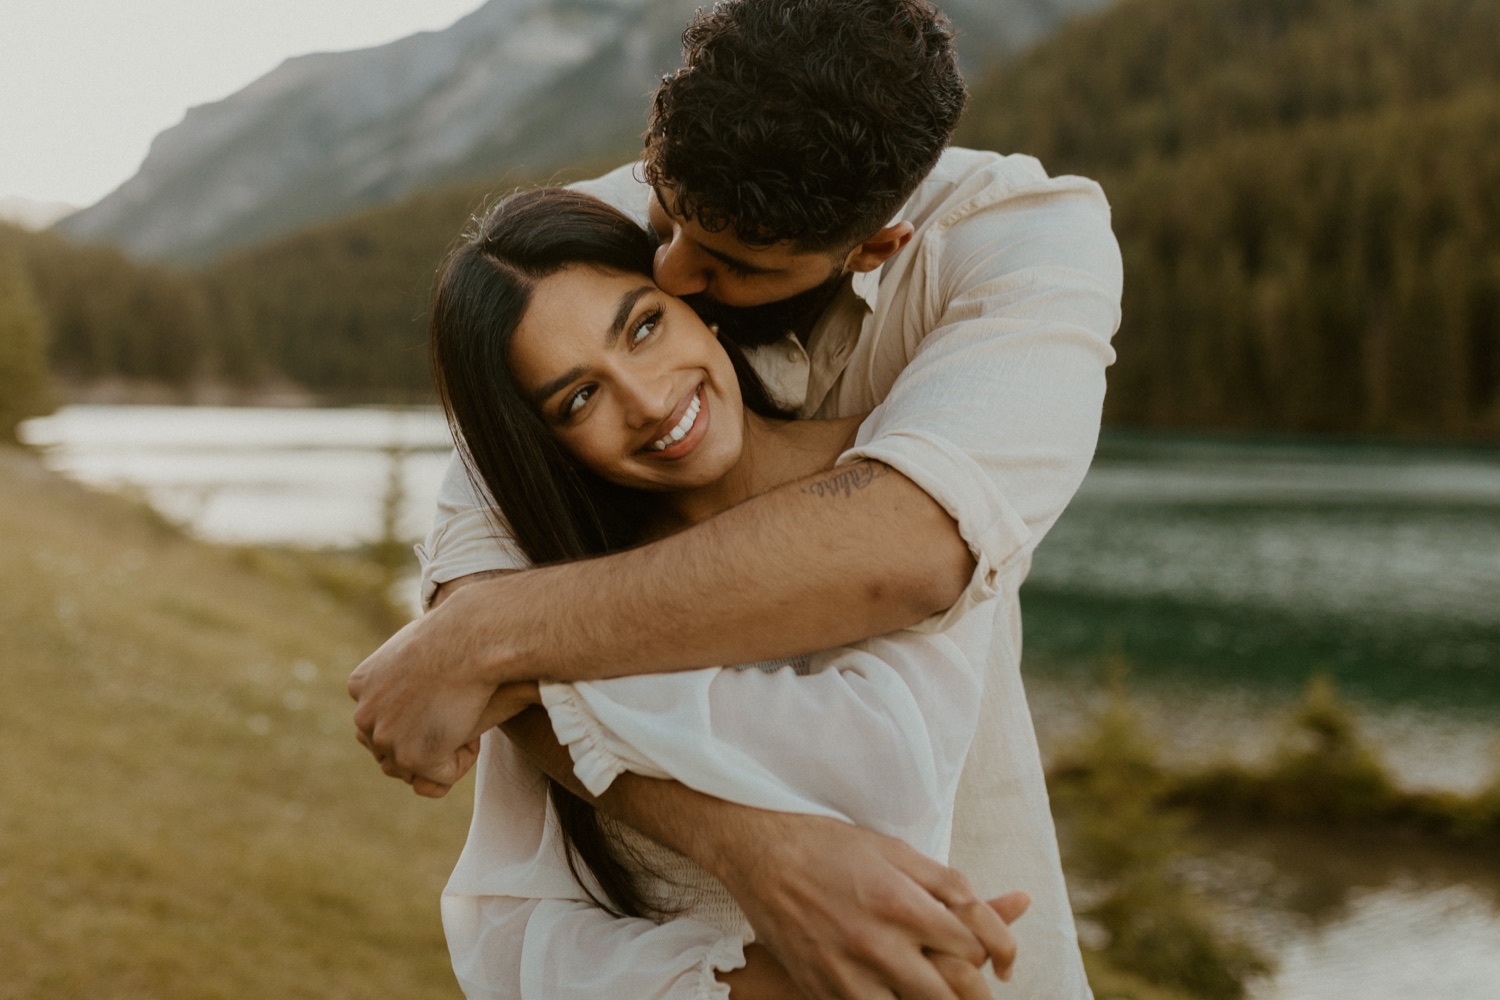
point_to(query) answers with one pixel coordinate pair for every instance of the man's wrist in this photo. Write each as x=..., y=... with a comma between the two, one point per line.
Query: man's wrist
x=497, y=644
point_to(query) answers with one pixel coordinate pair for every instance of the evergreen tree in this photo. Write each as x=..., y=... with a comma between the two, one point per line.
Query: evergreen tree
x=24, y=387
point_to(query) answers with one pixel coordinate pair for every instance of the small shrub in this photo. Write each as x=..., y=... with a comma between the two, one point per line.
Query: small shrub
x=1126, y=845
x=1325, y=768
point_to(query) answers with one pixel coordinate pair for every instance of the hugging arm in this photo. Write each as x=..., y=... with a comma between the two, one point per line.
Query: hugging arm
x=834, y=558
x=875, y=736
x=897, y=892
x=979, y=445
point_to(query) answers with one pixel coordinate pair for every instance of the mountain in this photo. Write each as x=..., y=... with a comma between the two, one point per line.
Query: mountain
x=518, y=85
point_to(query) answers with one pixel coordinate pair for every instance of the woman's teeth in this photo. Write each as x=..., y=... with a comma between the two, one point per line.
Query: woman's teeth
x=683, y=426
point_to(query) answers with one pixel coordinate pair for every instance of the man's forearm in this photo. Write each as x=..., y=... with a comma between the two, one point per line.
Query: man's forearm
x=838, y=557
x=825, y=561
x=669, y=812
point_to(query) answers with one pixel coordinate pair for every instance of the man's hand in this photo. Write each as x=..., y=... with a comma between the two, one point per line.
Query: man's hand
x=846, y=914
x=763, y=977
x=854, y=914
x=420, y=711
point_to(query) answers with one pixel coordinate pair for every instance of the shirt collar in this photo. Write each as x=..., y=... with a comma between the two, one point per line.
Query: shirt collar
x=866, y=285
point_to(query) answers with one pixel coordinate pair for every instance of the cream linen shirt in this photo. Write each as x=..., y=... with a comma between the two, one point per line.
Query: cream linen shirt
x=981, y=347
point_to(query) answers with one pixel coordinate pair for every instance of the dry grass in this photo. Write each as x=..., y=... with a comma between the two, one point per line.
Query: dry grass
x=183, y=810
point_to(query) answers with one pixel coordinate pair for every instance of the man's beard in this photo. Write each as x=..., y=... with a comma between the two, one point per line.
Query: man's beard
x=756, y=326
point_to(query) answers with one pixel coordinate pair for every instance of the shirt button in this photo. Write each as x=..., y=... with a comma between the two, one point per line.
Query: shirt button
x=792, y=354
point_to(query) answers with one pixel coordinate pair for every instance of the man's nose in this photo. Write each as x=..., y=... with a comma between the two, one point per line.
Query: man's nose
x=679, y=269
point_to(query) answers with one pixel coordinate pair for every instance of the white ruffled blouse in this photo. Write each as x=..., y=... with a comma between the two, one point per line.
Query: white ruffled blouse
x=873, y=734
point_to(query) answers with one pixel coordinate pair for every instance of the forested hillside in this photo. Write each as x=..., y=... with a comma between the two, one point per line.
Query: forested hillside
x=1307, y=193
x=339, y=309
x=109, y=315
x=342, y=307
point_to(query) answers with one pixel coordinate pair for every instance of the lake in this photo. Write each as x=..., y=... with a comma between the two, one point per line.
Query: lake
x=1265, y=561
x=277, y=476
x=1224, y=573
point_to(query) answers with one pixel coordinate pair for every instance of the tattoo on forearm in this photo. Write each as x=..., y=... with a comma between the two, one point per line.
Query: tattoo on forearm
x=843, y=482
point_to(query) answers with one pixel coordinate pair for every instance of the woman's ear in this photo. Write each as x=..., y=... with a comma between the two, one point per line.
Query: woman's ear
x=880, y=247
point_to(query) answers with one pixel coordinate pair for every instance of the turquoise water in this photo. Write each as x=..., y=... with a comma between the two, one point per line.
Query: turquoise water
x=1259, y=564
x=1224, y=574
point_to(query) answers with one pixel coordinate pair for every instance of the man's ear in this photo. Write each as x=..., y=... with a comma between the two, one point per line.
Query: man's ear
x=879, y=248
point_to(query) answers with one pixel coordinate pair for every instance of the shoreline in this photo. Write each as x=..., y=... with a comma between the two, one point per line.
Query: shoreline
x=278, y=393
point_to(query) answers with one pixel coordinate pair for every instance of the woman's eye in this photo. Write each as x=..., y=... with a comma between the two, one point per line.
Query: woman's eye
x=575, y=402
x=645, y=327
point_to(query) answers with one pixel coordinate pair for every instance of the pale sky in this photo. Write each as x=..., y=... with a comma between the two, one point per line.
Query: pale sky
x=86, y=84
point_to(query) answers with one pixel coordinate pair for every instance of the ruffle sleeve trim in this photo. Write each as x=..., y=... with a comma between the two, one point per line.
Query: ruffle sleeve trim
x=595, y=764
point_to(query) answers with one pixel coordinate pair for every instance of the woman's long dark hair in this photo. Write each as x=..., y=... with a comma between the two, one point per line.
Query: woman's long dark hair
x=555, y=509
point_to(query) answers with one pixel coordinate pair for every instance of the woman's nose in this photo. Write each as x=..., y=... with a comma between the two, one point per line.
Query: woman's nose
x=647, y=401
x=679, y=270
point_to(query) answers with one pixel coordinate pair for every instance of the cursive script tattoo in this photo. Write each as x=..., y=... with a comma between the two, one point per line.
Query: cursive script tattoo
x=843, y=482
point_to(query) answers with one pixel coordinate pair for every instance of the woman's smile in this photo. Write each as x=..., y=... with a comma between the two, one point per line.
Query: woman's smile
x=683, y=435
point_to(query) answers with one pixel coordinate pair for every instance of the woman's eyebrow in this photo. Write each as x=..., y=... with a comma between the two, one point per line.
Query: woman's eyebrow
x=550, y=388
x=622, y=315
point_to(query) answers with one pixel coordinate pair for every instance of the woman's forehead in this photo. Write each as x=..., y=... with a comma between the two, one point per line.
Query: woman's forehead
x=574, y=315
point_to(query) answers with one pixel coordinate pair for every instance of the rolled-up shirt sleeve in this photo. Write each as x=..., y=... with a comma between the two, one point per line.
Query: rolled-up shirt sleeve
x=996, y=415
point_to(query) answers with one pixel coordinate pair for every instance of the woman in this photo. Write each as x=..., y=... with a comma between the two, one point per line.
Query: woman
x=600, y=413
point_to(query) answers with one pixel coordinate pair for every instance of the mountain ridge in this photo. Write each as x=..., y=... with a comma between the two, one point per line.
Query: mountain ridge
x=516, y=85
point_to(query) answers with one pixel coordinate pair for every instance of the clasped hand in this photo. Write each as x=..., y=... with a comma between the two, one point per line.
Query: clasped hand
x=423, y=700
x=855, y=915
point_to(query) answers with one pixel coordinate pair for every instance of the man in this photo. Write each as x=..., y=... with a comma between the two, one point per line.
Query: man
x=795, y=173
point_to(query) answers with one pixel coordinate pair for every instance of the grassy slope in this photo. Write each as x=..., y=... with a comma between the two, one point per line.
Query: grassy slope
x=185, y=812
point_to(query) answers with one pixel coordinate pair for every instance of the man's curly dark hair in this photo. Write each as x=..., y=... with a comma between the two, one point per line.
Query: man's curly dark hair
x=809, y=121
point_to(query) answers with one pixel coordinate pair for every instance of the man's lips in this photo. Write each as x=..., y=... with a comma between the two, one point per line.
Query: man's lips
x=692, y=411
